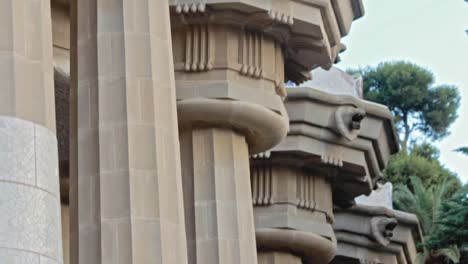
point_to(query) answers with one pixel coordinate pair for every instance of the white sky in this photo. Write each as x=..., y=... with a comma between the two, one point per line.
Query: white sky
x=430, y=33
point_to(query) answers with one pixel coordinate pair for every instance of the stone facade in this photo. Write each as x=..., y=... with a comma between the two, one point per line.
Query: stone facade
x=177, y=138
x=375, y=234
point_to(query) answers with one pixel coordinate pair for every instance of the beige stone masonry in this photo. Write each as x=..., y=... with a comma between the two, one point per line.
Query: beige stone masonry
x=335, y=150
x=126, y=190
x=30, y=223
x=352, y=137
x=26, y=61
x=278, y=258
x=310, y=31
x=374, y=234
x=231, y=60
x=217, y=197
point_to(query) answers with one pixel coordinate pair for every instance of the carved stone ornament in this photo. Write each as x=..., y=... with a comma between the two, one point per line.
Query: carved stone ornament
x=348, y=121
x=382, y=229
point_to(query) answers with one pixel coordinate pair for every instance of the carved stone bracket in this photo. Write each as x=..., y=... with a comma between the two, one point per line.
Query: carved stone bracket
x=195, y=7
x=382, y=229
x=348, y=121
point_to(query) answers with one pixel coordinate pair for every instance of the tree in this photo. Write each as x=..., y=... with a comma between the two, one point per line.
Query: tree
x=416, y=103
x=423, y=162
x=426, y=204
x=463, y=150
x=452, y=229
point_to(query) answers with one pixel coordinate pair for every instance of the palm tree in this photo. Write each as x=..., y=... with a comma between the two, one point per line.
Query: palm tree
x=425, y=203
x=463, y=150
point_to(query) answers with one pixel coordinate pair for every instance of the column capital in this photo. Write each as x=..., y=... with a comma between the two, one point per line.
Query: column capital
x=309, y=31
x=349, y=138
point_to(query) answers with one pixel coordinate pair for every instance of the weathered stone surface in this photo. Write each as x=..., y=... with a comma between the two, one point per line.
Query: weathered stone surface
x=336, y=81
x=26, y=61
x=217, y=196
x=30, y=223
x=310, y=31
x=231, y=60
x=382, y=196
x=349, y=138
x=126, y=189
x=374, y=234
x=30, y=229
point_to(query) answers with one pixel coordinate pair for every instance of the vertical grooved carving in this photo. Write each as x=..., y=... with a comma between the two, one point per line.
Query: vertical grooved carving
x=266, y=197
x=198, y=48
x=250, y=53
x=195, y=46
x=188, y=49
x=262, y=184
x=305, y=191
x=279, y=69
x=254, y=171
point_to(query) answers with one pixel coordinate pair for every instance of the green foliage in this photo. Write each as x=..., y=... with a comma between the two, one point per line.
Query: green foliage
x=426, y=150
x=422, y=162
x=428, y=204
x=409, y=92
x=452, y=227
x=463, y=150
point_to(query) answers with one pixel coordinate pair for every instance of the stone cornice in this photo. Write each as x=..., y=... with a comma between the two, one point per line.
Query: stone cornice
x=309, y=30
x=326, y=136
x=377, y=229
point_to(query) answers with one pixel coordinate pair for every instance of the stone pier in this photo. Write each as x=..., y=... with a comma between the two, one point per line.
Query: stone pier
x=30, y=223
x=335, y=150
x=232, y=59
x=126, y=190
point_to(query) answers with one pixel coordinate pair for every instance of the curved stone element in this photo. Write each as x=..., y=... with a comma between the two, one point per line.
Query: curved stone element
x=311, y=247
x=382, y=229
x=309, y=31
x=262, y=127
x=348, y=121
x=328, y=132
x=375, y=233
x=30, y=222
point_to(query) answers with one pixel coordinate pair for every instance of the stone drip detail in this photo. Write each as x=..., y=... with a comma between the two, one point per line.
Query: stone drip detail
x=262, y=185
x=306, y=192
x=250, y=54
x=198, y=48
x=30, y=222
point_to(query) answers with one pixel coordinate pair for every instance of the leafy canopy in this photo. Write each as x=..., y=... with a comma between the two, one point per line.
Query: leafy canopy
x=422, y=162
x=429, y=205
x=452, y=227
x=409, y=92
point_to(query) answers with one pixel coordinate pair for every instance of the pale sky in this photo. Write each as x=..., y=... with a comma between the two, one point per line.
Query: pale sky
x=430, y=33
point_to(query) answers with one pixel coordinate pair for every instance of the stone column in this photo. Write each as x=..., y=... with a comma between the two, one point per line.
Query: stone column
x=126, y=191
x=229, y=104
x=335, y=150
x=293, y=208
x=30, y=225
x=232, y=59
x=216, y=190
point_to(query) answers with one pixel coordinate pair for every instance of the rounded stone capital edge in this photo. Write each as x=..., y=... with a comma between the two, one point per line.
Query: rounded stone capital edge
x=313, y=247
x=262, y=127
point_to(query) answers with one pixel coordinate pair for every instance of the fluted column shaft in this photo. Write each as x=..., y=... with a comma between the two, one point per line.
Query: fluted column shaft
x=30, y=224
x=126, y=191
x=218, y=203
